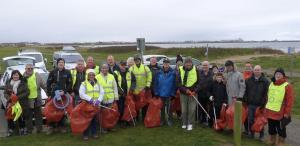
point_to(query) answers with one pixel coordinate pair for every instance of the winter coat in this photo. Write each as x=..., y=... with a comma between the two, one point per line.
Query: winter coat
x=205, y=82
x=256, y=91
x=235, y=84
x=165, y=84
x=22, y=92
x=218, y=91
x=287, y=103
x=59, y=80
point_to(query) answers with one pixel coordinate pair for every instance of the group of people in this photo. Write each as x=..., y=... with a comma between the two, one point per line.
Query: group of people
x=201, y=90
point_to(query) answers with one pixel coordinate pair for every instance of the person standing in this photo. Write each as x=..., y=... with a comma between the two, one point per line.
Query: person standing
x=205, y=81
x=109, y=84
x=17, y=85
x=59, y=79
x=35, y=83
x=188, y=81
x=143, y=77
x=125, y=84
x=218, y=96
x=165, y=88
x=255, y=97
x=279, y=106
x=78, y=76
x=91, y=91
x=235, y=82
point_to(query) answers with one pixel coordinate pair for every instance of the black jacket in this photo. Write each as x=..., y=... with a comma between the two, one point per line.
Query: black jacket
x=22, y=92
x=256, y=91
x=80, y=77
x=59, y=80
x=218, y=91
x=205, y=82
x=114, y=68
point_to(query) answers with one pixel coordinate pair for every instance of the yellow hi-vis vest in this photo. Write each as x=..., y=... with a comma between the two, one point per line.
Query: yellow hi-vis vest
x=92, y=91
x=276, y=96
x=143, y=77
x=31, y=83
x=119, y=78
x=107, y=85
x=74, y=76
x=17, y=111
x=192, y=76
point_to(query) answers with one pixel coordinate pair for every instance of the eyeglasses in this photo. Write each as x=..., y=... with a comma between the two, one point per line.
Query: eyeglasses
x=29, y=68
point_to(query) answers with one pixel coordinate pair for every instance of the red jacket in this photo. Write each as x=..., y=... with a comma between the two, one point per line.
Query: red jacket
x=287, y=103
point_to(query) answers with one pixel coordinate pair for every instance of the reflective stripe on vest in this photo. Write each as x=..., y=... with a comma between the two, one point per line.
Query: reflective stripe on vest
x=31, y=82
x=73, y=74
x=141, y=76
x=128, y=79
x=92, y=91
x=107, y=85
x=192, y=76
x=276, y=96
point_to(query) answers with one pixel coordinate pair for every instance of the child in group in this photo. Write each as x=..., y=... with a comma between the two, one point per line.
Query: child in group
x=218, y=96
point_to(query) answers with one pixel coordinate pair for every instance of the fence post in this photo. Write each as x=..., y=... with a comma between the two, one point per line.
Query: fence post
x=237, y=131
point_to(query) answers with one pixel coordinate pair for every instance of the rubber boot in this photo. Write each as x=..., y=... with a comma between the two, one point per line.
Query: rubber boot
x=272, y=140
x=280, y=141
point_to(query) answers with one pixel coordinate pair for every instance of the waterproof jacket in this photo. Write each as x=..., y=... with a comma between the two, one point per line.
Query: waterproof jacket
x=205, y=82
x=165, y=84
x=59, y=80
x=256, y=91
x=287, y=104
x=235, y=84
x=219, y=93
x=22, y=92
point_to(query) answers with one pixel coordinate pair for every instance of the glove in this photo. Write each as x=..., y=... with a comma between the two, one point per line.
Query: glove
x=91, y=101
x=211, y=98
x=97, y=103
x=188, y=92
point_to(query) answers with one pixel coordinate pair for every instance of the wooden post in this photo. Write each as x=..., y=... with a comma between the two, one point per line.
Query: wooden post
x=237, y=131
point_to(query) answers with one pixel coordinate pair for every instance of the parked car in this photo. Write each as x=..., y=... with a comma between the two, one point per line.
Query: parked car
x=19, y=63
x=40, y=60
x=196, y=62
x=146, y=58
x=70, y=56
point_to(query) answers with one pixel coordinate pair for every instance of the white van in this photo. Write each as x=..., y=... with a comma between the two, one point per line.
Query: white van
x=40, y=62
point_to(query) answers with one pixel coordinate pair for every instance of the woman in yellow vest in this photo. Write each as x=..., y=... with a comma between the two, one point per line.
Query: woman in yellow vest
x=91, y=91
x=279, y=106
x=109, y=84
x=188, y=80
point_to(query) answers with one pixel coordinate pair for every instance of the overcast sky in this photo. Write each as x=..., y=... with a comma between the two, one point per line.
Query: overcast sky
x=156, y=20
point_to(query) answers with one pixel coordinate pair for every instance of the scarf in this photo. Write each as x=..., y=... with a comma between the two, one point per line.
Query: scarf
x=15, y=85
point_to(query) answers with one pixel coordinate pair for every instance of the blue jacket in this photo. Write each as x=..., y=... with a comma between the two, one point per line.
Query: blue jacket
x=165, y=84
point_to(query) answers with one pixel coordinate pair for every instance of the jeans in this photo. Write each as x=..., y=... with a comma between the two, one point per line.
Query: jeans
x=251, y=118
x=188, y=108
x=165, y=110
x=92, y=129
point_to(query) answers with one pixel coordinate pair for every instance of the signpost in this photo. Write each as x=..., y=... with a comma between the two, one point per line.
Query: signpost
x=140, y=46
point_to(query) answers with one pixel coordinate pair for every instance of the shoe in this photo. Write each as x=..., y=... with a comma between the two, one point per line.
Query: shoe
x=280, y=141
x=183, y=126
x=190, y=127
x=272, y=140
x=10, y=132
x=85, y=138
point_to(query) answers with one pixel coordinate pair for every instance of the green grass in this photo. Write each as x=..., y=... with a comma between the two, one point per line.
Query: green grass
x=279, y=61
x=296, y=84
x=136, y=136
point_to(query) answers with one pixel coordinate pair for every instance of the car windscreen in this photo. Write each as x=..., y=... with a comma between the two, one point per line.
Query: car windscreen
x=38, y=57
x=71, y=58
x=18, y=61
